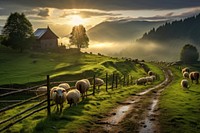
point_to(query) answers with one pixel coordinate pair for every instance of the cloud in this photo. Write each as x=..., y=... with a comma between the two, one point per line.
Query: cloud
x=43, y=12
x=88, y=14
x=170, y=16
x=105, y=4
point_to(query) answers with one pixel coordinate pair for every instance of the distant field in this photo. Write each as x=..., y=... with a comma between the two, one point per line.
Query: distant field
x=180, y=108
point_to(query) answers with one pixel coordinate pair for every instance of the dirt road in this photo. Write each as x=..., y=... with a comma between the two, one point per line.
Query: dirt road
x=137, y=114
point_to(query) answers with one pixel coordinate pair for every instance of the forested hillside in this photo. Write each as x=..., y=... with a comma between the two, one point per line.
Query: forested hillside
x=186, y=29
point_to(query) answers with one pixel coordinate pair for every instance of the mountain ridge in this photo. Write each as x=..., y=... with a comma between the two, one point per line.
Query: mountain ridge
x=121, y=30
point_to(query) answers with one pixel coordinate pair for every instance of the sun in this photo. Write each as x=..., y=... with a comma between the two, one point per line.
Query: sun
x=76, y=20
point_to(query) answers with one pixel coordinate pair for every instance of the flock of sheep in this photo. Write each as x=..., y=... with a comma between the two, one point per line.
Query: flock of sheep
x=193, y=76
x=147, y=79
x=64, y=93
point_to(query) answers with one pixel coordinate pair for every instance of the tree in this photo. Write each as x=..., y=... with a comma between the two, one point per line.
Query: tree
x=78, y=37
x=17, y=32
x=189, y=54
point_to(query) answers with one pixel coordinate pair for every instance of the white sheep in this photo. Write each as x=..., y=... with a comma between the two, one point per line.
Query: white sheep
x=150, y=73
x=41, y=90
x=83, y=86
x=184, y=83
x=186, y=69
x=73, y=96
x=153, y=77
x=185, y=75
x=149, y=79
x=141, y=81
x=99, y=82
x=66, y=86
x=58, y=95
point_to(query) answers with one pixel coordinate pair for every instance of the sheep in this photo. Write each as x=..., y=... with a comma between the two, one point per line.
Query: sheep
x=99, y=82
x=83, y=86
x=185, y=75
x=184, y=83
x=141, y=81
x=73, y=96
x=58, y=95
x=194, y=76
x=66, y=86
x=153, y=77
x=149, y=79
x=41, y=90
x=186, y=69
x=150, y=73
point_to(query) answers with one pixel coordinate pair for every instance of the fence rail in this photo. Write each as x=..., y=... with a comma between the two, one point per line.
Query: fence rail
x=115, y=81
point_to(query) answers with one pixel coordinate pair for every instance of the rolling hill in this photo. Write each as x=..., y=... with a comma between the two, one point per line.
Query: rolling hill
x=122, y=30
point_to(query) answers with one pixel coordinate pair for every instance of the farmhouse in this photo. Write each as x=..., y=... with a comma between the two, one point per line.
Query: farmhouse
x=45, y=38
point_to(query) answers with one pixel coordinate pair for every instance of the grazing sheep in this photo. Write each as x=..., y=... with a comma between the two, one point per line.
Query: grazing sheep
x=83, y=86
x=185, y=75
x=58, y=95
x=153, y=77
x=184, y=83
x=149, y=79
x=73, y=96
x=150, y=73
x=99, y=82
x=186, y=69
x=41, y=90
x=66, y=86
x=194, y=76
x=141, y=81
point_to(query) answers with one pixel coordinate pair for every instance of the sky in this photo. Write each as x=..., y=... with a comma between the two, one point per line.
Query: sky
x=62, y=15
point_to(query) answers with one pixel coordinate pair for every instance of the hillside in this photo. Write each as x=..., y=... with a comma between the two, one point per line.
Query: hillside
x=30, y=67
x=122, y=30
x=186, y=29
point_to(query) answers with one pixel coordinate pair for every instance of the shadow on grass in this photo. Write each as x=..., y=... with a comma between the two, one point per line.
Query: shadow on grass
x=197, y=92
x=58, y=121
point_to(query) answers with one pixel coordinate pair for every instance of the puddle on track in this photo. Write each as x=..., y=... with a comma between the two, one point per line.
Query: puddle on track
x=148, y=123
x=120, y=114
x=123, y=110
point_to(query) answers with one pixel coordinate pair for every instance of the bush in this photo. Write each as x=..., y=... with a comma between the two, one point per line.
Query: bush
x=189, y=54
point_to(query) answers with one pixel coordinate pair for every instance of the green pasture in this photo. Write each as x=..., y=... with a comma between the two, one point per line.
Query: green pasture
x=180, y=108
x=22, y=68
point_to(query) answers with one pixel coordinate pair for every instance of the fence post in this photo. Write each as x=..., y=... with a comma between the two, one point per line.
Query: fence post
x=127, y=80
x=131, y=80
x=94, y=87
x=124, y=80
x=116, y=80
x=106, y=81
x=48, y=97
x=113, y=78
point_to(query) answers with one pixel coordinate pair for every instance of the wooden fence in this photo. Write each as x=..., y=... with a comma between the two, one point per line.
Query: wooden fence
x=116, y=80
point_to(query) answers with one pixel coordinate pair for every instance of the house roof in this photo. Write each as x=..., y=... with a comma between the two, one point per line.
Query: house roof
x=41, y=31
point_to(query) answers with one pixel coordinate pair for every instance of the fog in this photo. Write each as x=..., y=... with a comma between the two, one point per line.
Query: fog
x=150, y=51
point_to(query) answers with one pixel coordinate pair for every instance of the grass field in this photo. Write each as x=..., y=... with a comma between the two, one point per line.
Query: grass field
x=180, y=108
x=19, y=68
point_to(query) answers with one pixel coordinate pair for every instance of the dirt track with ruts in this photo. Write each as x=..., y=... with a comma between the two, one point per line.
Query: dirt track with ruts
x=138, y=114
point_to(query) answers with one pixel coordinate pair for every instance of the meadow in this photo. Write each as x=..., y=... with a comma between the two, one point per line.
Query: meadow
x=31, y=68
x=179, y=108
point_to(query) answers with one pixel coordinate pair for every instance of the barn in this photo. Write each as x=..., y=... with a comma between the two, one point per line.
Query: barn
x=45, y=38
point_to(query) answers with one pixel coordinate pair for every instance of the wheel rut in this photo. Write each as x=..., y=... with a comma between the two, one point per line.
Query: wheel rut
x=139, y=113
